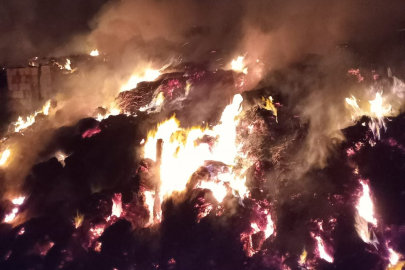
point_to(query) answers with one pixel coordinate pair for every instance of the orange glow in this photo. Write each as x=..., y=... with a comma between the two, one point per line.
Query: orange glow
x=21, y=124
x=147, y=76
x=112, y=110
x=4, y=157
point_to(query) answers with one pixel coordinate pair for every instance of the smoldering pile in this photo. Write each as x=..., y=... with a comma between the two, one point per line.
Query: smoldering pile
x=93, y=205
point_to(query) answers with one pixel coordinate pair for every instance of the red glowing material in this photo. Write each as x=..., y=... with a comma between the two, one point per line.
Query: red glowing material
x=90, y=132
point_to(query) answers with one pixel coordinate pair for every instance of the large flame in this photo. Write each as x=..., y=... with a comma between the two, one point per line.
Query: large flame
x=182, y=156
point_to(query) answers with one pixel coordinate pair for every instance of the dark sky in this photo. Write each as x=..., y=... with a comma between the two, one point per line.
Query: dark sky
x=36, y=27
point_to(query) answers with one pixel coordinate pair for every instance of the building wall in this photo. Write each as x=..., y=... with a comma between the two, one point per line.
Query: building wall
x=29, y=85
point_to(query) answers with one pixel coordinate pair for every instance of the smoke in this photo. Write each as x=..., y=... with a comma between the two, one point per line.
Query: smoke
x=42, y=27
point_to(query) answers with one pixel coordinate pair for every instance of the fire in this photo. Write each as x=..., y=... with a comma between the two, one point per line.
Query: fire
x=377, y=111
x=149, y=201
x=67, y=65
x=321, y=249
x=4, y=156
x=117, y=205
x=269, y=227
x=377, y=108
x=21, y=124
x=94, y=53
x=182, y=156
x=365, y=205
x=147, y=76
x=79, y=218
x=394, y=257
x=17, y=202
x=112, y=110
x=238, y=65
x=218, y=189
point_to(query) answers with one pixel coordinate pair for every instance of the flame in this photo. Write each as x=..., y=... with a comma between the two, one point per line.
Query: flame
x=147, y=76
x=79, y=218
x=67, y=65
x=218, y=189
x=394, y=257
x=149, y=201
x=377, y=111
x=303, y=257
x=181, y=156
x=21, y=124
x=321, y=249
x=17, y=202
x=4, y=156
x=117, y=205
x=365, y=206
x=94, y=53
x=269, y=227
x=237, y=65
x=112, y=110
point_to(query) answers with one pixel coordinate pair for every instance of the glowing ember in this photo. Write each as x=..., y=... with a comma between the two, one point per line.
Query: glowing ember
x=321, y=250
x=94, y=53
x=365, y=205
x=147, y=76
x=90, y=132
x=4, y=157
x=237, y=65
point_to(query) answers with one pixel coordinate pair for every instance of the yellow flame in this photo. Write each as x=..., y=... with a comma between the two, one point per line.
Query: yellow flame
x=79, y=218
x=94, y=53
x=268, y=105
x=303, y=257
x=238, y=65
x=4, y=157
x=181, y=156
x=21, y=124
x=147, y=76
